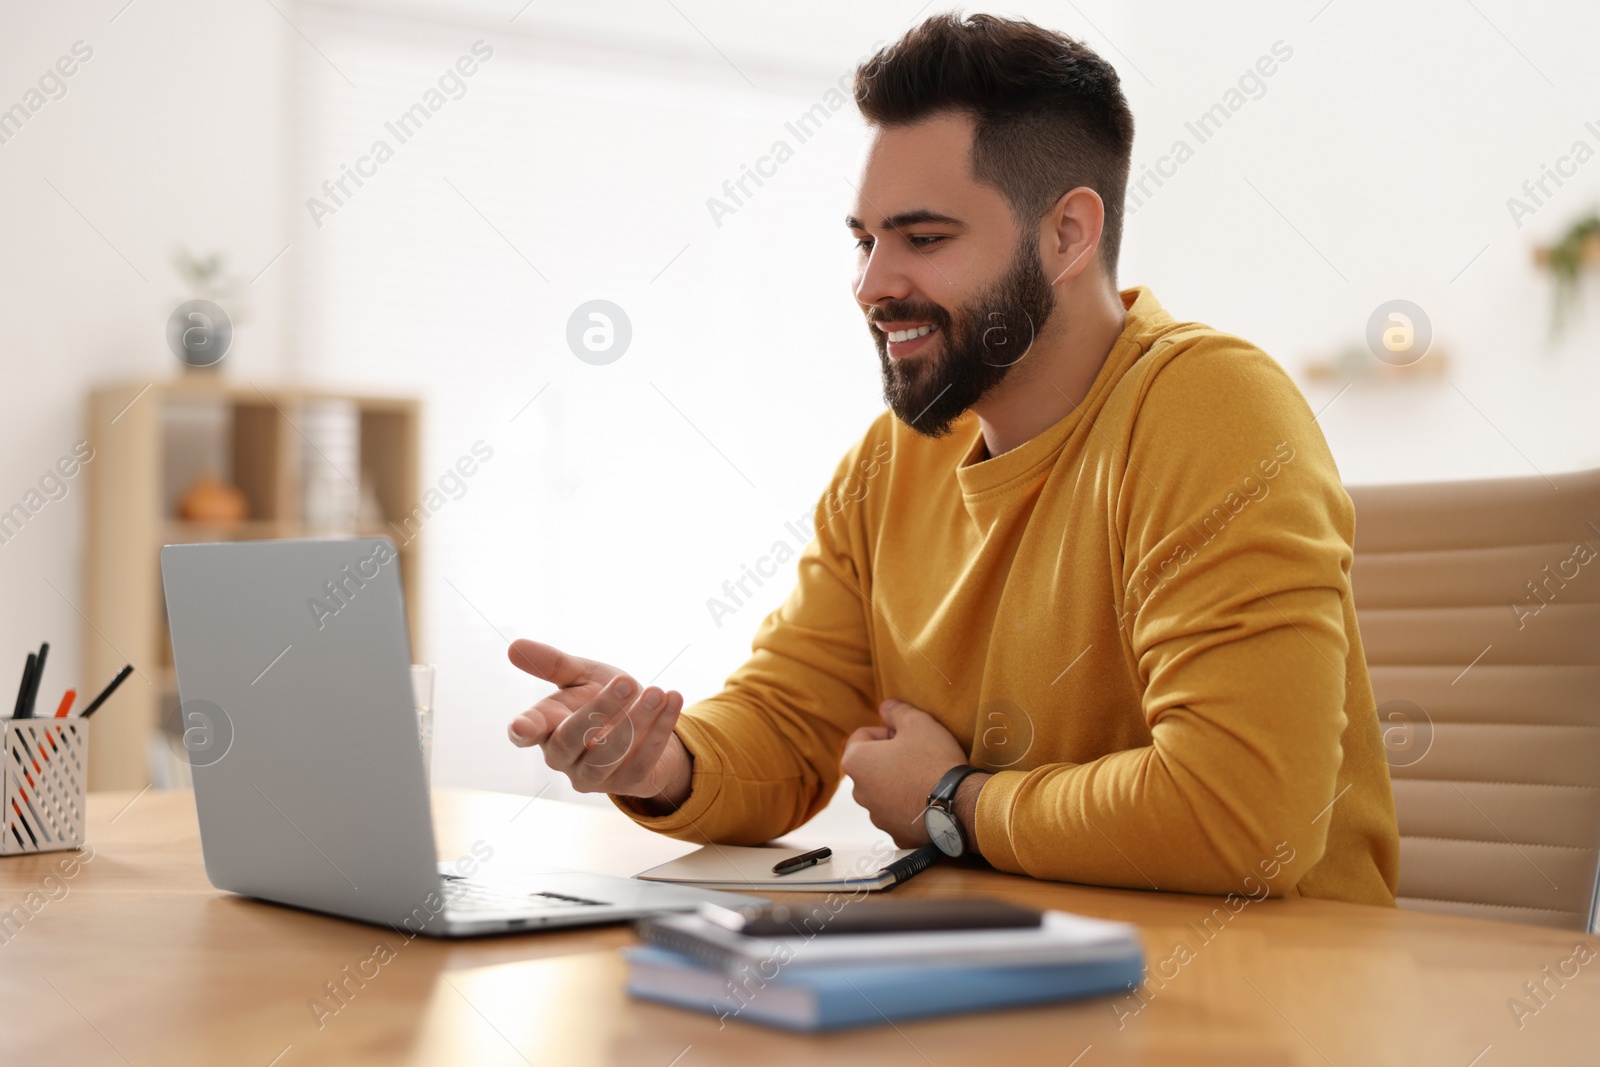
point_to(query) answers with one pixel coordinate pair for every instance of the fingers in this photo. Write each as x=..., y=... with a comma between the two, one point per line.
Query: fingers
x=868, y=733
x=854, y=752
x=611, y=741
x=588, y=726
x=529, y=728
x=652, y=733
x=613, y=746
x=548, y=662
x=523, y=733
x=896, y=713
x=606, y=744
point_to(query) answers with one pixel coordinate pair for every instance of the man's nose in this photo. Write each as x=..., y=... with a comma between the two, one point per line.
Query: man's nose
x=882, y=279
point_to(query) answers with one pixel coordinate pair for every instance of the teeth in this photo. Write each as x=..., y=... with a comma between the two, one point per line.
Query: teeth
x=906, y=335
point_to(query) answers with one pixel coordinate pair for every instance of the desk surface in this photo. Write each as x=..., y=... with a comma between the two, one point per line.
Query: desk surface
x=135, y=959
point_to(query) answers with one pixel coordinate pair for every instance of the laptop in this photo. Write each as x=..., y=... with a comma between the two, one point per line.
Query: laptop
x=293, y=662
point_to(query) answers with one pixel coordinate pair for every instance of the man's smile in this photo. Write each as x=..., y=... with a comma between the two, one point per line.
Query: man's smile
x=905, y=338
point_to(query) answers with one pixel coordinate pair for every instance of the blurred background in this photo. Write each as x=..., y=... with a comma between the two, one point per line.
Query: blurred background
x=415, y=349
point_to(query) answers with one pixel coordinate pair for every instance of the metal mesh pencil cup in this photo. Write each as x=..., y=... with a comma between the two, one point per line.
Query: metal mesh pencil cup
x=45, y=783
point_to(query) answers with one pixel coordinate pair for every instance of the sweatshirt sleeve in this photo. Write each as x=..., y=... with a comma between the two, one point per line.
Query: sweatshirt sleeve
x=767, y=747
x=1237, y=543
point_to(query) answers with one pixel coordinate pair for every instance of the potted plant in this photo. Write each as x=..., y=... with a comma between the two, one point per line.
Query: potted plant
x=1566, y=259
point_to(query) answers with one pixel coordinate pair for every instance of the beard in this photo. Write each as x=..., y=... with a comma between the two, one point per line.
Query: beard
x=976, y=348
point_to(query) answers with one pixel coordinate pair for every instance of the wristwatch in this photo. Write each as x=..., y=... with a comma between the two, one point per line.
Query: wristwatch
x=944, y=829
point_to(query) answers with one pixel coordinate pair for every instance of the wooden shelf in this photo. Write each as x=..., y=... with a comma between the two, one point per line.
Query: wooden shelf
x=183, y=531
x=261, y=424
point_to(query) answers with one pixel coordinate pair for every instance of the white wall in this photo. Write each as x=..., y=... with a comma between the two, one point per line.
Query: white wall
x=1391, y=140
x=173, y=132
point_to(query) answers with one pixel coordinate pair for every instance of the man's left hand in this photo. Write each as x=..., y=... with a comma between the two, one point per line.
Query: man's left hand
x=896, y=766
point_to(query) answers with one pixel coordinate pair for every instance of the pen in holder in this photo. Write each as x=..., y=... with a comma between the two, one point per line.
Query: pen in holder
x=44, y=784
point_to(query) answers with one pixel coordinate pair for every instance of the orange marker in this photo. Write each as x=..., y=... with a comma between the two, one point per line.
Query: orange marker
x=66, y=703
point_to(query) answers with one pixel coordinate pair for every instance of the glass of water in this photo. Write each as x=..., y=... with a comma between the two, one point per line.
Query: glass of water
x=422, y=695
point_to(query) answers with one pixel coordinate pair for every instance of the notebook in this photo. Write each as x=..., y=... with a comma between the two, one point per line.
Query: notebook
x=855, y=995
x=744, y=867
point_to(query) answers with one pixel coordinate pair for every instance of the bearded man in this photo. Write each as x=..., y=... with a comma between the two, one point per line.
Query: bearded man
x=1085, y=610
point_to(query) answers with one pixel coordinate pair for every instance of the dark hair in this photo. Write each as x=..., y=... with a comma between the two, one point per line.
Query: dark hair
x=1050, y=113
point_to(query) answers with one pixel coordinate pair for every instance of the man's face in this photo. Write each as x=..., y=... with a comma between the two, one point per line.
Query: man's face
x=953, y=290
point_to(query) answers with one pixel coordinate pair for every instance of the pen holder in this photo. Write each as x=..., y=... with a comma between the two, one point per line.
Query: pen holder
x=45, y=784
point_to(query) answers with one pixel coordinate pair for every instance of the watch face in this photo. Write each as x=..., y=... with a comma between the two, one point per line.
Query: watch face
x=944, y=831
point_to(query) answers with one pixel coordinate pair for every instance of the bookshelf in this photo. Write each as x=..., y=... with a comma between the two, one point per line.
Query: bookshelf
x=149, y=439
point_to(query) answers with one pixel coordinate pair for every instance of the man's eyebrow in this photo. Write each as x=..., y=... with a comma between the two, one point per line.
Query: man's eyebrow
x=906, y=218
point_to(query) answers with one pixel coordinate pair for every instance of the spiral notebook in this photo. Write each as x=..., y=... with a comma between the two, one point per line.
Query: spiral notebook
x=736, y=867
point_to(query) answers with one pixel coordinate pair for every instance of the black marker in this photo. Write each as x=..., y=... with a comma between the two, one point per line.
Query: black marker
x=33, y=683
x=107, y=691
x=802, y=861
x=27, y=684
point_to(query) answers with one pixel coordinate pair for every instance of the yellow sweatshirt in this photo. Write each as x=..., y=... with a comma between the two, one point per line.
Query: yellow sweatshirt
x=1141, y=620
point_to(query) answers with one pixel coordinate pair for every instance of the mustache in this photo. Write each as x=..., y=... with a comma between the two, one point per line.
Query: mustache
x=910, y=311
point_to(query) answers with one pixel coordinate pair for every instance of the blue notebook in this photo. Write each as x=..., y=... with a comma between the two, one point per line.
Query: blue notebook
x=859, y=995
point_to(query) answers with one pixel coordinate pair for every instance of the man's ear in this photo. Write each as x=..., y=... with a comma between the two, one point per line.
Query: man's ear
x=1072, y=237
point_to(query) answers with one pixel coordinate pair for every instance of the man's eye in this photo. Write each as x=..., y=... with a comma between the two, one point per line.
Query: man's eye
x=864, y=244
x=926, y=240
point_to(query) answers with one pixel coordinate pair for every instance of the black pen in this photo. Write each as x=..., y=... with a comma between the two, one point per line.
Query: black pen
x=802, y=861
x=27, y=684
x=38, y=676
x=107, y=691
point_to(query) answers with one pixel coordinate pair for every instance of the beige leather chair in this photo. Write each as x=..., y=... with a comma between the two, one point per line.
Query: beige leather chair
x=1479, y=605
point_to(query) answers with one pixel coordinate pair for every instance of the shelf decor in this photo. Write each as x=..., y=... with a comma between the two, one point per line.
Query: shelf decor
x=151, y=442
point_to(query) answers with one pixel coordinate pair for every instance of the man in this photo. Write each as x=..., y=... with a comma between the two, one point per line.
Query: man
x=1088, y=581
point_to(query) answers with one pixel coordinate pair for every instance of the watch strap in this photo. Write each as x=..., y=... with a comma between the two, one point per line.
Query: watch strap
x=945, y=791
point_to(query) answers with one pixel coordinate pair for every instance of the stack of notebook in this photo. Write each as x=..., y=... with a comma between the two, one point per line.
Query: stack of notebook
x=828, y=980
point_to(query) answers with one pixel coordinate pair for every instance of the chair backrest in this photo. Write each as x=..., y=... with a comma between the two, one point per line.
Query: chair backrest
x=1479, y=606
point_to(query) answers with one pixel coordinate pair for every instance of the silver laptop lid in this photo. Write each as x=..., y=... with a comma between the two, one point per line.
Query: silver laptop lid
x=293, y=674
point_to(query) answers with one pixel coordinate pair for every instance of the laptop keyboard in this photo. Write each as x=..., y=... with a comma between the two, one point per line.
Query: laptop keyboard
x=462, y=895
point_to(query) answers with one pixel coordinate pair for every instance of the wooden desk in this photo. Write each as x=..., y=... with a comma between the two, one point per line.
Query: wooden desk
x=137, y=960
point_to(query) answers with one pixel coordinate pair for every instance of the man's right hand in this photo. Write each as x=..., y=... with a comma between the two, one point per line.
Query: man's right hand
x=599, y=730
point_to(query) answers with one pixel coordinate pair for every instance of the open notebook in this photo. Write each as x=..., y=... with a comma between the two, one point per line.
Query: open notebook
x=737, y=867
